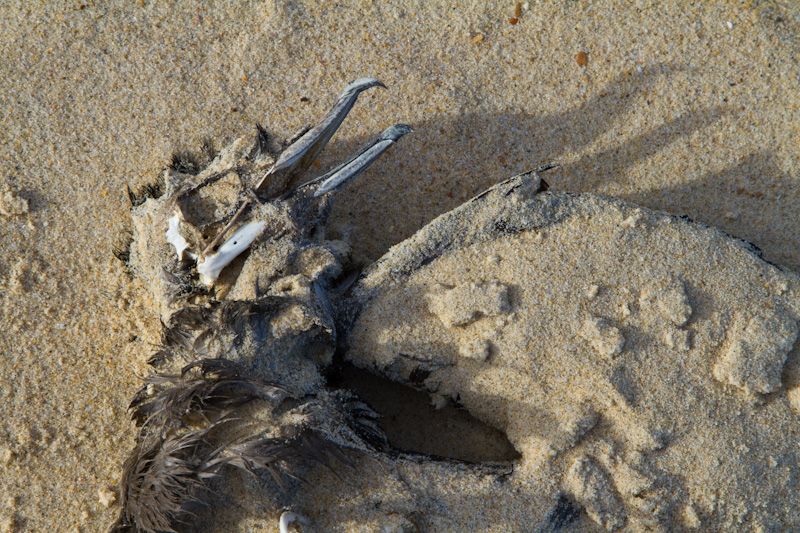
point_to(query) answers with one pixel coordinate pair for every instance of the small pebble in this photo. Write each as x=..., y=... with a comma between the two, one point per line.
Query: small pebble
x=11, y=205
x=106, y=497
x=592, y=291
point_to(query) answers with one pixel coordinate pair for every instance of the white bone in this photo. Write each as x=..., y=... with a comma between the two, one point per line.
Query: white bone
x=174, y=236
x=287, y=517
x=210, y=267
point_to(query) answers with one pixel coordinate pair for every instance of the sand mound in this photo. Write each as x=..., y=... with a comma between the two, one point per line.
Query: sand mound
x=641, y=363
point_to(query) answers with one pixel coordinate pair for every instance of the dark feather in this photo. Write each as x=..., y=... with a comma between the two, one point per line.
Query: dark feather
x=160, y=357
x=163, y=479
x=183, y=283
x=261, y=149
x=150, y=190
x=169, y=470
x=122, y=250
x=200, y=346
x=192, y=331
x=170, y=277
x=208, y=151
x=186, y=162
x=210, y=388
x=176, y=341
x=234, y=315
x=191, y=317
x=296, y=449
x=363, y=420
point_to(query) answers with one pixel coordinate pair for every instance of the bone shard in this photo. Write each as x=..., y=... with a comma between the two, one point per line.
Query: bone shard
x=174, y=236
x=210, y=267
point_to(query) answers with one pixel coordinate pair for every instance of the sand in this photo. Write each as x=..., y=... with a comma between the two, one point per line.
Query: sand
x=637, y=360
x=687, y=109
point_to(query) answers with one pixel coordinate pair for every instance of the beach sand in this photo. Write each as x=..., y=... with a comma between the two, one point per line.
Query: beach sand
x=687, y=109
